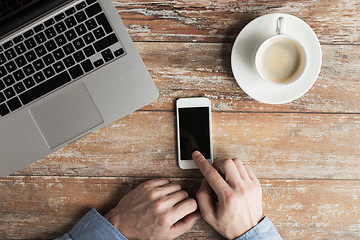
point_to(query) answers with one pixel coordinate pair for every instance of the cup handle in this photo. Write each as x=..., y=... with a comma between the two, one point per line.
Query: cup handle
x=280, y=25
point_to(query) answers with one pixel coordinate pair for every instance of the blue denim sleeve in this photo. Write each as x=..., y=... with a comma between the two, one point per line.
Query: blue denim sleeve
x=93, y=226
x=265, y=230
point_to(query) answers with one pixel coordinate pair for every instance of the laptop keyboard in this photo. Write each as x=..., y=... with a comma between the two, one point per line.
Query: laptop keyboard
x=54, y=53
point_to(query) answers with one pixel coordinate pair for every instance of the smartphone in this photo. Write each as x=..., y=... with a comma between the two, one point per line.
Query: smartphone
x=193, y=130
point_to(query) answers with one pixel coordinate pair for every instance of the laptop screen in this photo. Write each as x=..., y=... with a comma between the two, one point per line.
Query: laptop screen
x=14, y=13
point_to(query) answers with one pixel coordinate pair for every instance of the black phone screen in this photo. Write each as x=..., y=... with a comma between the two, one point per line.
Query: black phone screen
x=194, y=128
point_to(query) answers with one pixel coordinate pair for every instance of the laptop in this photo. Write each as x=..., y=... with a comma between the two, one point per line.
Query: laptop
x=67, y=68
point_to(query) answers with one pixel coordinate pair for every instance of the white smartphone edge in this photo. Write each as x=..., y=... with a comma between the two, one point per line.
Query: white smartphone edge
x=190, y=103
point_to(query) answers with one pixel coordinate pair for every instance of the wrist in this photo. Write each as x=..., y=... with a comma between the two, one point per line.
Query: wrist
x=249, y=228
x=112, y=219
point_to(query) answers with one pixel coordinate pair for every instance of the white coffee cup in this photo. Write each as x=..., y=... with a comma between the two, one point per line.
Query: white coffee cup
x=281, y=59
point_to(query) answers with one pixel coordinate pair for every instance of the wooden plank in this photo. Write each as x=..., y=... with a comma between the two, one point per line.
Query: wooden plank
x=47, y=207
x=190, y=69
x=334, y=21
x=276, y=145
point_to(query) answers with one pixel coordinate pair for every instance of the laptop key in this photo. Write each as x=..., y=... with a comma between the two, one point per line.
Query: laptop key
x=2, y=71
x=8, y=44
x=105, y=42
x=18, y=39
x=30, y=56
x=10, y=66
x=9, y=80
x=39, y=28
x=45, y=87
x=102, y=20
x=39, y=77
x=60, y=40
x=76, y=71
x=50, y=32
x=40, y=51
x=80, y=6
x=79, y=56
x=107, y=55
x=69, y=61
x=18, y=75
x=49, y=72
x=70, y=22
x=59, y=67
x=19, y=87
x=2, y=97
x=81, y=29
x=70, y=11
x=98, y=63
x=58, y=54
x=80, y=16
x=2, y=59
x=70, y=35
x=9, y=92
x=119, y=52
x=10, y=54
x=87, y=65
x=14, y=104
x=38, y=64
x=30, y=43
x=49, y=22
x=20, y=61
x=40, y=38
x=20, y=48
x=48, y=59
x=60, y=27
x=89, y=51
x=68, y=49
x=29, y=82
x=50, y=45
x=93, y=10
x=91, y=24
x=99, y=33
x=4, y=110
x=28, y=33
x=2, y=85
x=89, y=38
x=28, y=70
x=59, y=17
x=90, y=1
x=79, y=43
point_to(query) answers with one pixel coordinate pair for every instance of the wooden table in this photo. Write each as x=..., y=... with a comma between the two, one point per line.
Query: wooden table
x=306, y=153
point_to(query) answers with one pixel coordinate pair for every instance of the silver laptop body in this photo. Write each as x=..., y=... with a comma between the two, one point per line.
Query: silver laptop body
x=102, y=88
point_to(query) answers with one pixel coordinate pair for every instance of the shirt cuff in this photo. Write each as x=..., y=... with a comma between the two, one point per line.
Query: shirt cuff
x=264, y=230
x=94, y=226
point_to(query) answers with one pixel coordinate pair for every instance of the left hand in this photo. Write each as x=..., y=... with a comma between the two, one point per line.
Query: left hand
x=156, y=209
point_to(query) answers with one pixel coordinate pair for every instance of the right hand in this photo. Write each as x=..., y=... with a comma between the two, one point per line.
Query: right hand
x=156, y=209
x=239, y=206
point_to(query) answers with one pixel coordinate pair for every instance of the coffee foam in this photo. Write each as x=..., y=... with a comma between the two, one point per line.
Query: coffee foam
x=281, y=60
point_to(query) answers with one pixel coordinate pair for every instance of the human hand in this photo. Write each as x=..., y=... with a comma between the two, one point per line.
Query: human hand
x=156, y=209
x=239, y=206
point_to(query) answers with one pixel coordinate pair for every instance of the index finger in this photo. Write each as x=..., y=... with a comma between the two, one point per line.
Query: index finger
x=216, y=182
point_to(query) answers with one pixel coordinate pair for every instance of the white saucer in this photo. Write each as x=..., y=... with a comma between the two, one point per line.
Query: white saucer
x=243, y=54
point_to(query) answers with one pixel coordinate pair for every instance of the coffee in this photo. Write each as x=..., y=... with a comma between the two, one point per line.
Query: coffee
x=280, y=60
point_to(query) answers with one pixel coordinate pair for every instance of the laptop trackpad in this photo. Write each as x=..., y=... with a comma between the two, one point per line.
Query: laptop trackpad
x=66, y=115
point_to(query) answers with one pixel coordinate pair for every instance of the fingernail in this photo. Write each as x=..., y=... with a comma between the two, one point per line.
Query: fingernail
x=196, y=153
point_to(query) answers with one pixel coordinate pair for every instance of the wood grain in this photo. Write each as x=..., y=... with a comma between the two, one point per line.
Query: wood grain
x=323, y=146
x=48, y=207
x=334, y=21
x=190, y=69
x=306, y=152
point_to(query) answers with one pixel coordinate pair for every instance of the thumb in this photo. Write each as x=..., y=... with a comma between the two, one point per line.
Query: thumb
x=185, y=224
